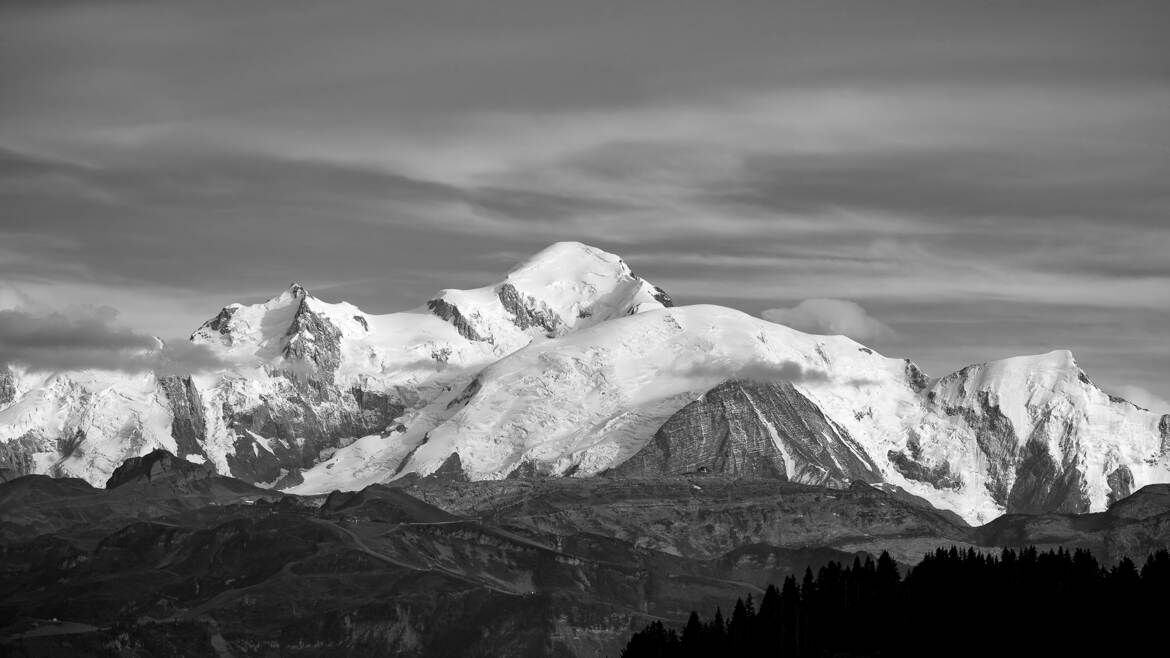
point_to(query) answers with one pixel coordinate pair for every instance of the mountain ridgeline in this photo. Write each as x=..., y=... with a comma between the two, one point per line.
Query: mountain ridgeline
x=573, y=365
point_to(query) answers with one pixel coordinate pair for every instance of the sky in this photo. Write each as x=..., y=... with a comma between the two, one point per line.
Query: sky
x=947, y=181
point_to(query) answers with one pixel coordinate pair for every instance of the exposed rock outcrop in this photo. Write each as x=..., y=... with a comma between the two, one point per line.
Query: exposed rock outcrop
x=753, y=429
x=290, y=431
x=1120, y=484
x=996, y=439
x=452, y=314
x=662, y=297
x=1164, y=431
x=7, y=386
x=188, y=425
x=313, y=341
x=915, y=377
x=1044, y=485
x=220, y=324
x=937, y=475
x=451, y=470
x=18, y=455
x=527, y=313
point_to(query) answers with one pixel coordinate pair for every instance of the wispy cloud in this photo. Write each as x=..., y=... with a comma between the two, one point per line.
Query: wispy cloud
x=88, y=338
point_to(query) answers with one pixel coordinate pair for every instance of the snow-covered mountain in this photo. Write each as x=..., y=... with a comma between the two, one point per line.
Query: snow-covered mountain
x=574, y=366
x=308, y=376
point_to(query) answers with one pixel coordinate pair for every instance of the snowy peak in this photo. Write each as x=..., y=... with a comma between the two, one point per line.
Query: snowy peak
x=312, y=340
x=1017, y=385
x=576, y=281
x=293, y=325
x=1049, y=437
x=564, y=287
x=251, y=323
x=295, y=291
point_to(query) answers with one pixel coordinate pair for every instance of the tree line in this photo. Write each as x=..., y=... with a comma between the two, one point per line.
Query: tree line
x=953, y=603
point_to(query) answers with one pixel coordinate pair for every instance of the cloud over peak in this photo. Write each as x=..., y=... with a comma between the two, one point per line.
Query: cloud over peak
x=831, y=316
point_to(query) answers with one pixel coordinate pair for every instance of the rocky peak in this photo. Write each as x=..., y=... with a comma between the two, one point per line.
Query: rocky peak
x=313, y=340
x=269, y=324
x=219, y=325
x=1017, y=385
x=296, y=290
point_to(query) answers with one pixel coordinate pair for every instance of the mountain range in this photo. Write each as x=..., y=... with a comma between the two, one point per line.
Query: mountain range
x=573, y=366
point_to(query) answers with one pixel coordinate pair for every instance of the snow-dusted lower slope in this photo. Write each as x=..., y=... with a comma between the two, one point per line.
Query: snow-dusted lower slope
x=572, y=365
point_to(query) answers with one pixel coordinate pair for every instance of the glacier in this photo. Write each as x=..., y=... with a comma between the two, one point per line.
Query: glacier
x=572, y=365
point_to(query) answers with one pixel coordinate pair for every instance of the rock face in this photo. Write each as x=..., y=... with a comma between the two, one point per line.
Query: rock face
x=1051, y=440
x=188, y=427
x=527, y=312
x=313, y=341
x=451, y=313
x=290, y=430
x=906, y=463
x=17, y=455
x=994, y=435
x=753, y=429
x=1120, y=484
x=7, y=386
x=1164, y=431
x=1044, y=485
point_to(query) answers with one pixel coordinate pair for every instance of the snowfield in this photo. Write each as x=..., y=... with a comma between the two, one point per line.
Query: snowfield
x=568, y=367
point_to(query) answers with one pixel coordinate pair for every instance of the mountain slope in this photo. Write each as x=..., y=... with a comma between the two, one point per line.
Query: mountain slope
x=754, y=429
x=574, y=366
x=704, y=387
x=589, y=401
x=303, y=376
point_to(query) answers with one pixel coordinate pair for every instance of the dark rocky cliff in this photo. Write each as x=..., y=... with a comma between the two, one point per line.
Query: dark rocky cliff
x=527, y=313
x=451, y=313
x=188, y=425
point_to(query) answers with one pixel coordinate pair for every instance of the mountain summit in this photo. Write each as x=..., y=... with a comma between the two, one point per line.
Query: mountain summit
x=572, y=365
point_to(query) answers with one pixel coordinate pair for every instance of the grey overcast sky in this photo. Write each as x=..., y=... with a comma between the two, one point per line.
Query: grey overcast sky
x=972, y=179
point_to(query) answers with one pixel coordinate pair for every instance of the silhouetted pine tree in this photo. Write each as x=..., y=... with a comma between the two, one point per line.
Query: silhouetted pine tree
x=955, y=603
